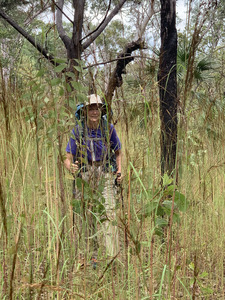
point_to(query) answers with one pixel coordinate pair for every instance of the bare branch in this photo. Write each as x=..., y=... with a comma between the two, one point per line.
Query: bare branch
x=30, y=39
x=99, y=24
x=66, y=40
x=30, y=19
x=58, y=7
x=123, y=59
x=120, y=58
x=104, y=24
x=144, y=24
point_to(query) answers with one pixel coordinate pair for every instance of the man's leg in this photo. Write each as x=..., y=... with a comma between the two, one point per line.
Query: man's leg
x=110, y=226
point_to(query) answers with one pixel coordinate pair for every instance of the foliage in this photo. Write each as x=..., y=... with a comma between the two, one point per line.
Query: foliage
x=34, y=209
x=202, y=64
x=44, y=254
x=114, y=38
x=165, y=203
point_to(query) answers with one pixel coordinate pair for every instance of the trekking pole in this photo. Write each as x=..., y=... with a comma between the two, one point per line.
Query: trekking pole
x=119, y=185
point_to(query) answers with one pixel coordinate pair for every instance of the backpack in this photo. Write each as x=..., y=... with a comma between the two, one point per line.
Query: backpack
x=80, y=122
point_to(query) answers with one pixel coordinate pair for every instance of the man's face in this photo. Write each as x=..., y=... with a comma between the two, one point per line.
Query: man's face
x=94, y=112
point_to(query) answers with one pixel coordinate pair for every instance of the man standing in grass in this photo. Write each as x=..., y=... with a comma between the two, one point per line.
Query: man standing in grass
x=88, y=158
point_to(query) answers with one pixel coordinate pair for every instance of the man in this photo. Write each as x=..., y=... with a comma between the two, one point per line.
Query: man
x=87, y=156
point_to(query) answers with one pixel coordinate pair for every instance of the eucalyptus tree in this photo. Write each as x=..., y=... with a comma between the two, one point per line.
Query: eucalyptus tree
x=167, y=77
x=200, y=38
x=79, y=38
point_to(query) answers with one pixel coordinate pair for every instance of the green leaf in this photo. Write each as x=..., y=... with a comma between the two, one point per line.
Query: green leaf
x=181, y=201
x=192, y=266
x=68, y=87
x=40, y=73
x=77, y=86
x=161, y=222
x=167, y=180
x=59, y=60
x=72, y=104
x=76, y=204
x=79, y=61
x=206, y=290
x=191, y=281
x=160, y=211
x=55, y=81
x=81, y=97
x=170, y=189
x=70, y=74
x=22, y=109
x=35, y=88
x=60, y=68
x=46, y=100
x=176, y=218
x=168, y=204
x=158, y=231
x=61, y=91
x=81, y=183
x=203, y=275
x=138, y=247
x=79, y=69
x=148, y=209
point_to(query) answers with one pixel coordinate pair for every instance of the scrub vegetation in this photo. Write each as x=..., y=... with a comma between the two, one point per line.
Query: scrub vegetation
x=171, y=237
x=171, y=227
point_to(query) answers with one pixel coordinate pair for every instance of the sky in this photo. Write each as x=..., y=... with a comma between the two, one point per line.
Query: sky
x=181, y=12
x=180, y=7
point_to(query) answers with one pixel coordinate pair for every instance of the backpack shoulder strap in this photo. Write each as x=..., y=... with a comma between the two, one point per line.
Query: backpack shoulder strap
x=105, y=127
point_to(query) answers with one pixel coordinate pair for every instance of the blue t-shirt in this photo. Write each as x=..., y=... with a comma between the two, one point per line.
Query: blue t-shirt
x=93, y=144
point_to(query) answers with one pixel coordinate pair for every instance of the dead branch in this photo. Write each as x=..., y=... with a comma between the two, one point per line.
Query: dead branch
x=124, y=59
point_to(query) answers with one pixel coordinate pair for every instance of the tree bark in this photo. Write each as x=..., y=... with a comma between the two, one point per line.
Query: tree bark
x=72, y=45
x=116, y=79
x=167, y=80
x=124, y=58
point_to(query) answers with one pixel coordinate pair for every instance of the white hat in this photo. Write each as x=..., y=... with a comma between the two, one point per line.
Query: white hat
x=93, y=99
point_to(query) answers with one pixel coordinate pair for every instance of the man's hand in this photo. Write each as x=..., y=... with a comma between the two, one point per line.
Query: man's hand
x=74, y=167
x=118, y=178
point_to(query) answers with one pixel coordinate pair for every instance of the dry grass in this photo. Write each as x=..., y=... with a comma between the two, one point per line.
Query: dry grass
x=41, y=255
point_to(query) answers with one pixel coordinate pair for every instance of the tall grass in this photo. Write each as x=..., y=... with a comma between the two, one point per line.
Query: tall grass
x=44, y=255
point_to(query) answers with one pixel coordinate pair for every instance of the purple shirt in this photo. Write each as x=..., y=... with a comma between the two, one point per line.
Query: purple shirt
x=93, y=144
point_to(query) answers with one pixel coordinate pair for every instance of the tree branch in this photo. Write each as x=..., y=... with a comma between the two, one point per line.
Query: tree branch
x=30, y=39
x=142, y=27
x=99, y=24
x=30, y=19
x=124, y=58
x=62, y=34
x=104, y=24
x=58, y=7
x=119, y=58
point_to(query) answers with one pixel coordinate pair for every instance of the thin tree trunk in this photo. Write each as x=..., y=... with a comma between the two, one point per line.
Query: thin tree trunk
x=167, y=78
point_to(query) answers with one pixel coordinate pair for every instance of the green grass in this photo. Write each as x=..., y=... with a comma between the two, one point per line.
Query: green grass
x=43, y=257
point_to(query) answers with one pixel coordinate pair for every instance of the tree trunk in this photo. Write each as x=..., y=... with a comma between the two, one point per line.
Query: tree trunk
x=167, y=79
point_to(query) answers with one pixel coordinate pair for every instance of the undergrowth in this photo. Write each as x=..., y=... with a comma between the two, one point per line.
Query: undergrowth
x=171, y=235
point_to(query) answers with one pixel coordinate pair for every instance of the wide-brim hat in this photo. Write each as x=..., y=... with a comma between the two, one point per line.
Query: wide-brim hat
x=93, y=99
